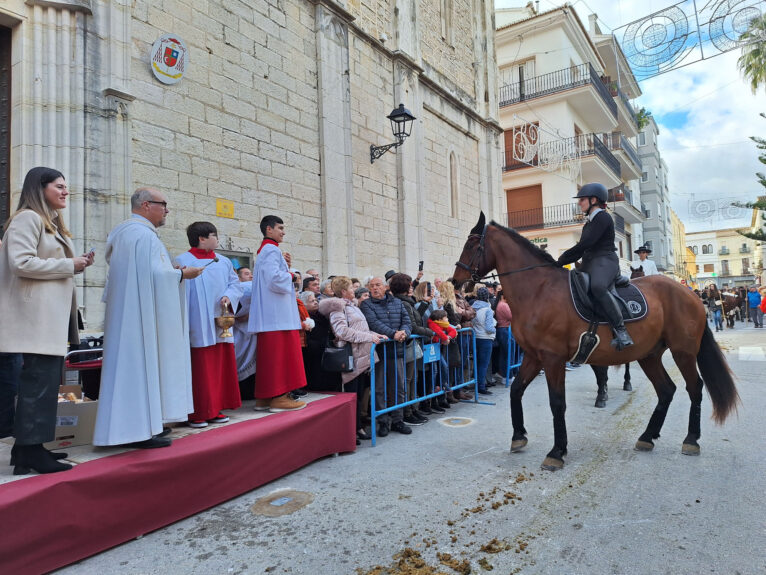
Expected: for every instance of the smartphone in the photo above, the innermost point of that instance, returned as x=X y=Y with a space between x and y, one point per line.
x=91 y=251
x=420 y=266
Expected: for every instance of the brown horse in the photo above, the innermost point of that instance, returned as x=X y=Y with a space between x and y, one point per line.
x=547 y=327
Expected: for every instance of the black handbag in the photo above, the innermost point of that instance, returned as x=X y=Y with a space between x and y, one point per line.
x=337 y=359
x=455 y=359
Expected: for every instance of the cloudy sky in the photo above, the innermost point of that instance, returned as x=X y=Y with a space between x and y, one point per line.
x=705 y=112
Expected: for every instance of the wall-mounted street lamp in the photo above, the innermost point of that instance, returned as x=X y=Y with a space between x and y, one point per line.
x=401 y=126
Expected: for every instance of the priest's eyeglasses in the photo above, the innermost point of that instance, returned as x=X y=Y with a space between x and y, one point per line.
x=163 y=204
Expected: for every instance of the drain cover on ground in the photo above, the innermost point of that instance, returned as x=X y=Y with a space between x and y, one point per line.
x=456 y=421
x=283 y=502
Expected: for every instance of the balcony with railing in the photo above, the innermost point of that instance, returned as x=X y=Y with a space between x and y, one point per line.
x=546 y=217
x=597 y=162
x=627 y=118
x=584 y=88
x=621 y=200
x=744 y=250
x=724 y=251
x=626 y=153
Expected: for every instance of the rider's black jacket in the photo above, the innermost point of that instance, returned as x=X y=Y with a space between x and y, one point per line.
x=597 y=239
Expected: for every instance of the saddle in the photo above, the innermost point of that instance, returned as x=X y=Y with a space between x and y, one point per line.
x=631 y=301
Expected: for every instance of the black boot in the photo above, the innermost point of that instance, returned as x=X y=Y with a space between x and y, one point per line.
x=37 y=458
x=614 y=315
x=14 y=450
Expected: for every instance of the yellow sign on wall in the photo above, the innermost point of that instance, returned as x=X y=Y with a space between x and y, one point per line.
x=224 y=208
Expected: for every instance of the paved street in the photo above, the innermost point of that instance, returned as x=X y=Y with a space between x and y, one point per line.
x=453 y=490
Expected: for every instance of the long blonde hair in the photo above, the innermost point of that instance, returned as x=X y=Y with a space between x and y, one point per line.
x=447 y=292
x=33 y=198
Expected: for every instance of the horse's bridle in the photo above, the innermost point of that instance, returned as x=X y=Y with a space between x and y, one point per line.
x=472 y=267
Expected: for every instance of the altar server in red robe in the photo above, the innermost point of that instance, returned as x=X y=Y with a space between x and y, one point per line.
x=214 y=366
x=274 y=317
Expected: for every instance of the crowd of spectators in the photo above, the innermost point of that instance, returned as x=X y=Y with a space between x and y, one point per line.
x=386 y=311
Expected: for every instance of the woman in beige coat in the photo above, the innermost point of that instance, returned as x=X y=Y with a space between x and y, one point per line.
x=39 y=311
x=349 y=325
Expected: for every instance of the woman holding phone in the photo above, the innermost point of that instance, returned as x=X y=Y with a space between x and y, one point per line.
x=39 y=311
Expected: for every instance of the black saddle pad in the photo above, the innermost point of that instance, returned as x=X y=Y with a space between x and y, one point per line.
x=629 y=298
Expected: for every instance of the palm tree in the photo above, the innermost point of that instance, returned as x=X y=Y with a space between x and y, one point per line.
x=752 y=62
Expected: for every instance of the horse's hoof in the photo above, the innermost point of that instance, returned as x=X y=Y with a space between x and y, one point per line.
x=518 y=444
x=600 y=403
x=627 y=386
x=644 y=445
x=552 y=464
x=689 y=449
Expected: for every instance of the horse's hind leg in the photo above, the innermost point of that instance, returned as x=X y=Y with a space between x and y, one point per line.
x=626 y=384
x=665 y=388
x=602 y=376
x=527 y=372
x=687 y=363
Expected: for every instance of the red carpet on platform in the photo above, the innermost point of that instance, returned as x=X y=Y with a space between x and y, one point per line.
x=54 y=520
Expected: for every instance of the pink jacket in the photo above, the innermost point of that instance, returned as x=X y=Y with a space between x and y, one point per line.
x=349 y=325
x=503 y=314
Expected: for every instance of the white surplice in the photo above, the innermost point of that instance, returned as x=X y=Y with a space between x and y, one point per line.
x=650 y=268
x=203 y=297
x=273 y=306
x=146 y=374
x=244 y=342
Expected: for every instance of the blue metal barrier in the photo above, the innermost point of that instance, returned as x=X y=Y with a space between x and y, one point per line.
x=420 y=387
x=513 y=354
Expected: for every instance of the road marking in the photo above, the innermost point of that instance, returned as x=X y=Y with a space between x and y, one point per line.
x=751 y=353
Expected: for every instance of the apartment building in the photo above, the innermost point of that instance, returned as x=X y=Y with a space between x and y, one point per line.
x=567 y=118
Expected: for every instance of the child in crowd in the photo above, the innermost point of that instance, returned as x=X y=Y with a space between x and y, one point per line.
x=444 y=333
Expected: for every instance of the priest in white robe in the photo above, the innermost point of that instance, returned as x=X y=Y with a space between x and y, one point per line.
x=274 y=317
x=214 y=366
x=146 y=373
x=649 y=267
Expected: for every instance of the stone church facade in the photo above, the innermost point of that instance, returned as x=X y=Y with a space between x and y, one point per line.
x=276 y=111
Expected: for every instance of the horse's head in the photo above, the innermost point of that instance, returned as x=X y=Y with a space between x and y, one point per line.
x=637 y=272
x=472 y=263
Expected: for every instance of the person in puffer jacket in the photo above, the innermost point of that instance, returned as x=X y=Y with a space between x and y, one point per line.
x=484 y=327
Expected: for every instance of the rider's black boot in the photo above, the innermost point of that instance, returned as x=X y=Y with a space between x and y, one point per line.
x=611 y=309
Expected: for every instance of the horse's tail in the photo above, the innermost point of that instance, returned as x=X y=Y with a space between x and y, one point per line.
x=717 y=377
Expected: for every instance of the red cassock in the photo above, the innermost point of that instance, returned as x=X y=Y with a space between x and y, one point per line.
x=278 y=363
x=214 y=380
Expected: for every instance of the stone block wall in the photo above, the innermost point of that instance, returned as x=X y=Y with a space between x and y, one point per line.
x=241 y=125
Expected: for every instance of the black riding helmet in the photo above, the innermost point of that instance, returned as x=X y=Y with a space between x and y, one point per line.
x=594 y=190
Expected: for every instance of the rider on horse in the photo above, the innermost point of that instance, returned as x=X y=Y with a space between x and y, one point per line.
x=597 y=249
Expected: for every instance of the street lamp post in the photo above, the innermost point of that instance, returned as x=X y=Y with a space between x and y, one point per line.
x=401 y=125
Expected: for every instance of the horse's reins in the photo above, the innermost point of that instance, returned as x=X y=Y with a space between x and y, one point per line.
x=472 y=267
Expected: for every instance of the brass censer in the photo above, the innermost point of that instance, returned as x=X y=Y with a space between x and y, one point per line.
x=225 y=321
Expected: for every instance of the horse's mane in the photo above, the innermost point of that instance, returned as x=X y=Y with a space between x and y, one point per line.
x=525 y=243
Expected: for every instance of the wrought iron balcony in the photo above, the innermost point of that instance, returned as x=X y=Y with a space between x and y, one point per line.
x=621 y=95
x=582 y=146
x=621 y=194
x=619 y=223
x=724 y=252
x=546 y=217
x=744 y=250
x=554 y=82
x=617 y=141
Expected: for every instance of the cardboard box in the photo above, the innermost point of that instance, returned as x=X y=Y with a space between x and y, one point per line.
x=75 y=421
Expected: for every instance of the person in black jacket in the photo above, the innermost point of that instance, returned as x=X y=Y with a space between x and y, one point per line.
x=597 y=250
x=386 y=315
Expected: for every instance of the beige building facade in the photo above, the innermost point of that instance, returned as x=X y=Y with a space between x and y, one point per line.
x=276 y=111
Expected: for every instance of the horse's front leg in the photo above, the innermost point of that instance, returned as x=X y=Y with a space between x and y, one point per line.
x=528 y=370
x=555 y=374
